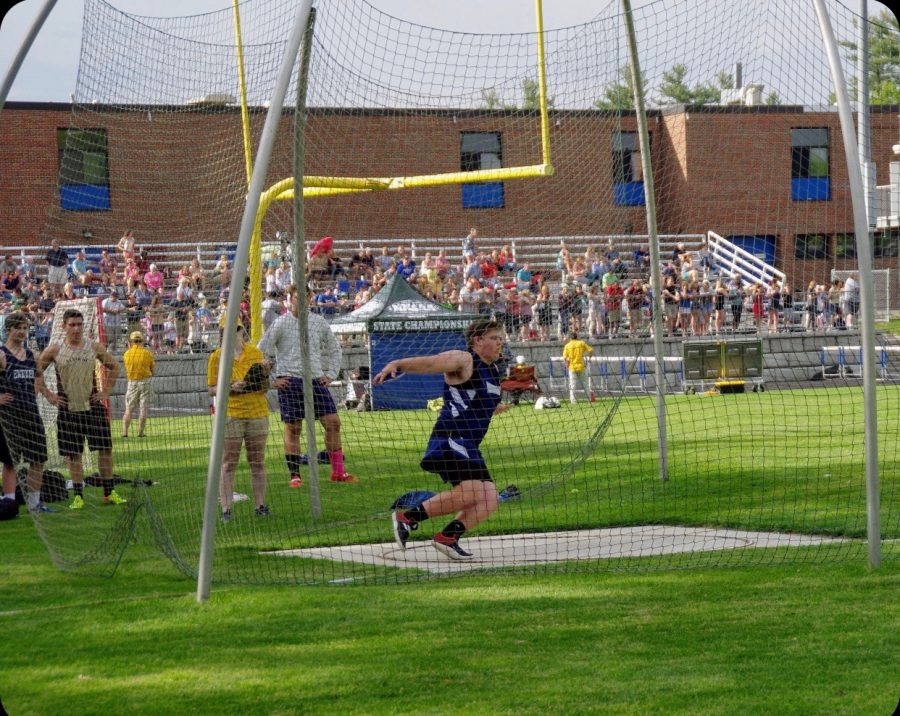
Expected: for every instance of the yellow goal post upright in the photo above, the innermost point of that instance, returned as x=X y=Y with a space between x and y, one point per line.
x=323 y=186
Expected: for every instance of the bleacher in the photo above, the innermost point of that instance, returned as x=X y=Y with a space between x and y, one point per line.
x=540 y=252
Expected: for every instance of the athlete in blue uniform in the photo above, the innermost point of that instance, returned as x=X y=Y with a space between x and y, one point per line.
x=471 y=399
x=19 y=409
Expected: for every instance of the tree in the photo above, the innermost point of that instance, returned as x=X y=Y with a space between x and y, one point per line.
x=490 y=99
x=884 y=61
x=618 y=95
x=674 y=89
x=531 y=93
x=773 y=99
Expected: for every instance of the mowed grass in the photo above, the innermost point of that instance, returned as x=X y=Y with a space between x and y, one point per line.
x=786 y=631
x=790 y=461
x=788 y=639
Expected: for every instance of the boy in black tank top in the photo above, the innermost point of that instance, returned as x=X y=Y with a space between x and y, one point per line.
x=19 y=411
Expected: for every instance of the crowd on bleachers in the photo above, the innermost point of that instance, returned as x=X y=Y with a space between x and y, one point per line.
x=603 y=292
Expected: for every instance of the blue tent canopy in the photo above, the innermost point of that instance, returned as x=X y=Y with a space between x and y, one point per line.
x=401 y=323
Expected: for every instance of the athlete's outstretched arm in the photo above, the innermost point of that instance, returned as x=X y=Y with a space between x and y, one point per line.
x=455 y=365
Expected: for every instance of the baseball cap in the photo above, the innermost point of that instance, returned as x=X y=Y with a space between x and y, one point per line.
x=136 y=336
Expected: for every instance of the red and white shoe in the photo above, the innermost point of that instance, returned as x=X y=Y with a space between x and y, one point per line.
x=296 y=481
x=346 y=477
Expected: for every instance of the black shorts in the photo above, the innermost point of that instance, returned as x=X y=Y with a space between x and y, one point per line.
x=74 y=428
x=28 y=442
x=290 y=401
x=5 y=457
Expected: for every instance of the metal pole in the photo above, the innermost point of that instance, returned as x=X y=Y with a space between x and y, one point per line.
x=653 y=238
x=867 y=292
x=862 y=117
x=16 y=64
x=257 y=182
x=315 y=501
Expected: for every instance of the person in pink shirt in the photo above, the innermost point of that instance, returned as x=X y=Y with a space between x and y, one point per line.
x=154 y=278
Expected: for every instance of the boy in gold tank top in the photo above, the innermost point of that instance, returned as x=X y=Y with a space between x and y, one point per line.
x=81 y=404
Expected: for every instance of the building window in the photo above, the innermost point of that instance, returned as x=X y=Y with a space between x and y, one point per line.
x=845 y=246
x=809 y=164
x=83 y=169
x=811 y=246
x=628 y=172
x=481 y=150
x=886 y=245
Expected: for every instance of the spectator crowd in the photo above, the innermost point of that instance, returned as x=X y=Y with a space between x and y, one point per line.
x=600 y=293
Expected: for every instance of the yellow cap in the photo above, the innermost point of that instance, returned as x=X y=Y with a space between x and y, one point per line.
x=136 y=336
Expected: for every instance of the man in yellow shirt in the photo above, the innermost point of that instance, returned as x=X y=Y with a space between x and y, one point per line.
x=139 y=367
x=573 y=358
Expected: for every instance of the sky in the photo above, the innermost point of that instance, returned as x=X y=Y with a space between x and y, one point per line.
x=49 y=71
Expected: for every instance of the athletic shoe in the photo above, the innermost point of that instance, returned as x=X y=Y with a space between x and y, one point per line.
x=322 y=458
x=77 y=503
x=226 y=516
x=346 y=477
x=41 y=507
x=296 y=481
x=263 y=511
x=450 y=547
x=114 y=498
x=402 y=527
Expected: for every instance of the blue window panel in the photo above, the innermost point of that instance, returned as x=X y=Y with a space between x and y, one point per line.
x=84 y=197
x=629 y=193
x=811 y=189
x=763 y=246
x=488 y=195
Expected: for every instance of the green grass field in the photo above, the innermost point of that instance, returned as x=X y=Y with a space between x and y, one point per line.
x=786 y=461
x=791 y=639
x=758 y=631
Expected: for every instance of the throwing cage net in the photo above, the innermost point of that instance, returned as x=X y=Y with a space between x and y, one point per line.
x=764 y=433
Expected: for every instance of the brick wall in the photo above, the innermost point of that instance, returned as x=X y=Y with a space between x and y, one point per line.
x=179 y=176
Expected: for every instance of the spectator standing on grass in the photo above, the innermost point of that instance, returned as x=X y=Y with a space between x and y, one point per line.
x=573 y=358
x=57 y=266
x=282 y=343
x=246 y=422
x=471 y=399
x=139 y=367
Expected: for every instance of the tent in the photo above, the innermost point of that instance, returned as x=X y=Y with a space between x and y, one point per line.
x=400 y=323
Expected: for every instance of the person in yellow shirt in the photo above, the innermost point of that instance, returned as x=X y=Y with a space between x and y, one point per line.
x=247 y=421
x=139 y=368
x=573 y=358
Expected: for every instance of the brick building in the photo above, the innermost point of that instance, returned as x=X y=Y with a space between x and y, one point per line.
x=773 y=175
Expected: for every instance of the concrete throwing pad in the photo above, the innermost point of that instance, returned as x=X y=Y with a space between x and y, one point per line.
x=548 y=547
